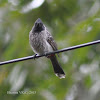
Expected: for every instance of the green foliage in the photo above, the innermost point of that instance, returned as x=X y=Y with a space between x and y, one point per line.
x=71 y=23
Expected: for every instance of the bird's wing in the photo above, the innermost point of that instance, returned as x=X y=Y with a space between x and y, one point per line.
x=51 y=41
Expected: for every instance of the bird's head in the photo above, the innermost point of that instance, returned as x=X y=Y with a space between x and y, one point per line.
x=39 y=26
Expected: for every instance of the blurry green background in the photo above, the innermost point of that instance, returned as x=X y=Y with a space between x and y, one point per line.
x=71 y=22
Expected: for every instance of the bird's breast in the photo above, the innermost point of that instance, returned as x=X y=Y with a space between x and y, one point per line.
x=39 y=43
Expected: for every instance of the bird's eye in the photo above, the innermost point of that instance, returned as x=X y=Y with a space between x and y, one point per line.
x=35 y=24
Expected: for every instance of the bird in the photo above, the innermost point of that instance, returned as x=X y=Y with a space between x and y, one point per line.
x=42 y=42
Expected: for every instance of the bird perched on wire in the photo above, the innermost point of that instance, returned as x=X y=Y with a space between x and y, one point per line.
x=41 y=42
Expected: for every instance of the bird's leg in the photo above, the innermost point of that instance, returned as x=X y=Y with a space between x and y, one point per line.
x=34 y=56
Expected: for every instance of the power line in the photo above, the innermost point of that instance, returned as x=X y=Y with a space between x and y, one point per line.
x=54 y=52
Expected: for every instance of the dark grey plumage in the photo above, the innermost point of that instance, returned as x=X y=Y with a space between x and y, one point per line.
x=41 y=42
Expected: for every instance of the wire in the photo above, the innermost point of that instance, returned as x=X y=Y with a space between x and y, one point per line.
x=49 y=53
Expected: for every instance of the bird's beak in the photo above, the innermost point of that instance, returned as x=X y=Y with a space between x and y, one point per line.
x=38 y=23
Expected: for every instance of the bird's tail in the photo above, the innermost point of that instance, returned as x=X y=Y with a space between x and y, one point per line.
x=57 y=68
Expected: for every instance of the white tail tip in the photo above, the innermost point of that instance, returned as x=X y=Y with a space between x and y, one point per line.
x=60 y=75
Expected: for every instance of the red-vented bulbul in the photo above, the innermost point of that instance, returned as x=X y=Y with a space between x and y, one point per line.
x=42 y=42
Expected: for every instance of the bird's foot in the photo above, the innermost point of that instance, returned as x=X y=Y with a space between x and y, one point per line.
x=45 y=54
x=34 y=56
